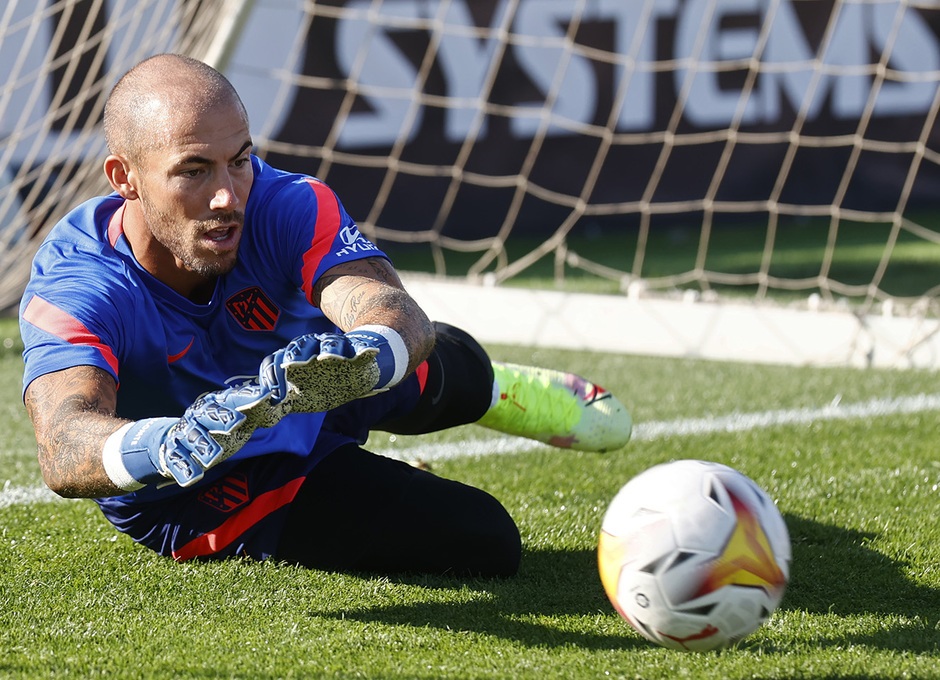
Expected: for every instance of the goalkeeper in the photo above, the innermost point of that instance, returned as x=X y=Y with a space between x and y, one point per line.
x=209 y=346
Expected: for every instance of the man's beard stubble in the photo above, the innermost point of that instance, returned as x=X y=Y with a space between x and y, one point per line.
x=170 y=236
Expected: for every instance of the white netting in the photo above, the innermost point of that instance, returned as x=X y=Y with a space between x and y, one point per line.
x=59 y=61
x=766 y=145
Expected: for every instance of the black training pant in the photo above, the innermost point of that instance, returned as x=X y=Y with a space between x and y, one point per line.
x=359 y=511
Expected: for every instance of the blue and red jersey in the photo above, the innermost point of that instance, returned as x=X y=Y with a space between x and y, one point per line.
x=89 y=302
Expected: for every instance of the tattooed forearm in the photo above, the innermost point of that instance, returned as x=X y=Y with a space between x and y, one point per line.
x=369 y=269
x=395 y=308
x=348 y=299
x=370 y=292
x=73 y=413
x=354 y=302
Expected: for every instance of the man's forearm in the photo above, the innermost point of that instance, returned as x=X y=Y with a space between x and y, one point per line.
x=70 y=432
x=370 y=292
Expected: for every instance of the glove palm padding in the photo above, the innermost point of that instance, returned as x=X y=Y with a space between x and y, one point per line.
x=318 y=372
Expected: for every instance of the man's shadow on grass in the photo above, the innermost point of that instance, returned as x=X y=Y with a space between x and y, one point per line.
x=551 y=583
x=834 y=572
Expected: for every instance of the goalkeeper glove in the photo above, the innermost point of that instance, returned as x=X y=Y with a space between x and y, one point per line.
x=320 y=371
x=211 y=430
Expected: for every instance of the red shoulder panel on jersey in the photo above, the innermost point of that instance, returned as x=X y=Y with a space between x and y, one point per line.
x=47 y=317
x=116 y=225
x=325 y=230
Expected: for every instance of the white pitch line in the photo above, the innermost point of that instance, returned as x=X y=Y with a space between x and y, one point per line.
x=736 y=422
x=740 y=422
x=24 y=495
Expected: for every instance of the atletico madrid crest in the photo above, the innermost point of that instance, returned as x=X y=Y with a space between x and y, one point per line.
x=253 y=309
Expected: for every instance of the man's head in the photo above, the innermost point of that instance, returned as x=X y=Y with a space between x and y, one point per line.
x=180 y=147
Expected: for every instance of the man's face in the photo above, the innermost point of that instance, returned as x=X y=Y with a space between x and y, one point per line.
x=193 y=187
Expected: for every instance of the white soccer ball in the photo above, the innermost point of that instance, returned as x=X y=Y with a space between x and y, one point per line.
x=694 y=555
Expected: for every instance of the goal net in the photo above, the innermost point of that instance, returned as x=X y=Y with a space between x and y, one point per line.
x=778 y=151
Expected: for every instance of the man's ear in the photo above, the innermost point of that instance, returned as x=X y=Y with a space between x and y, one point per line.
x=120 y=176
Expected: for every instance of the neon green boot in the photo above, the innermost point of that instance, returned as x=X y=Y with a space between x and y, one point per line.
x=561 y=409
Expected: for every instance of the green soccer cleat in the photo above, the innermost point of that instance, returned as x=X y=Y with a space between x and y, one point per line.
x=556 y=408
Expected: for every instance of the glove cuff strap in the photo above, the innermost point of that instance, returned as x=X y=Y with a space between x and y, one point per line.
x=113 y=461
x=392 y=364
x=126 y=457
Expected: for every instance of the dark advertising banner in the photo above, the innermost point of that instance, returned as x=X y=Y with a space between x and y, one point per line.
x=454 y=114
x=828 y=100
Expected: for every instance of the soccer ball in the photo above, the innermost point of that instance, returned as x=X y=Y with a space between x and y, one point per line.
x=694 y=555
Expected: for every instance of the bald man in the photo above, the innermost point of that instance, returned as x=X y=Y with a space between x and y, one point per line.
x=209 y=346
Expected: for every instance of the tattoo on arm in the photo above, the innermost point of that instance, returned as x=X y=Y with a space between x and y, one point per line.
x=73 y=412
x=369 y=291
x=370 y=269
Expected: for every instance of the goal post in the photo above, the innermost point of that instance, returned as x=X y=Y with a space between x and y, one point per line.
x=701 y=169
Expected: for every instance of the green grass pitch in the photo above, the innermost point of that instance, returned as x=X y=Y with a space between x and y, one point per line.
x=861 y=497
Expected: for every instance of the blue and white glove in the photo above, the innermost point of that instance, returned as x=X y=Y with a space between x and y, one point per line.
x=320 y=371
x=212 y=429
